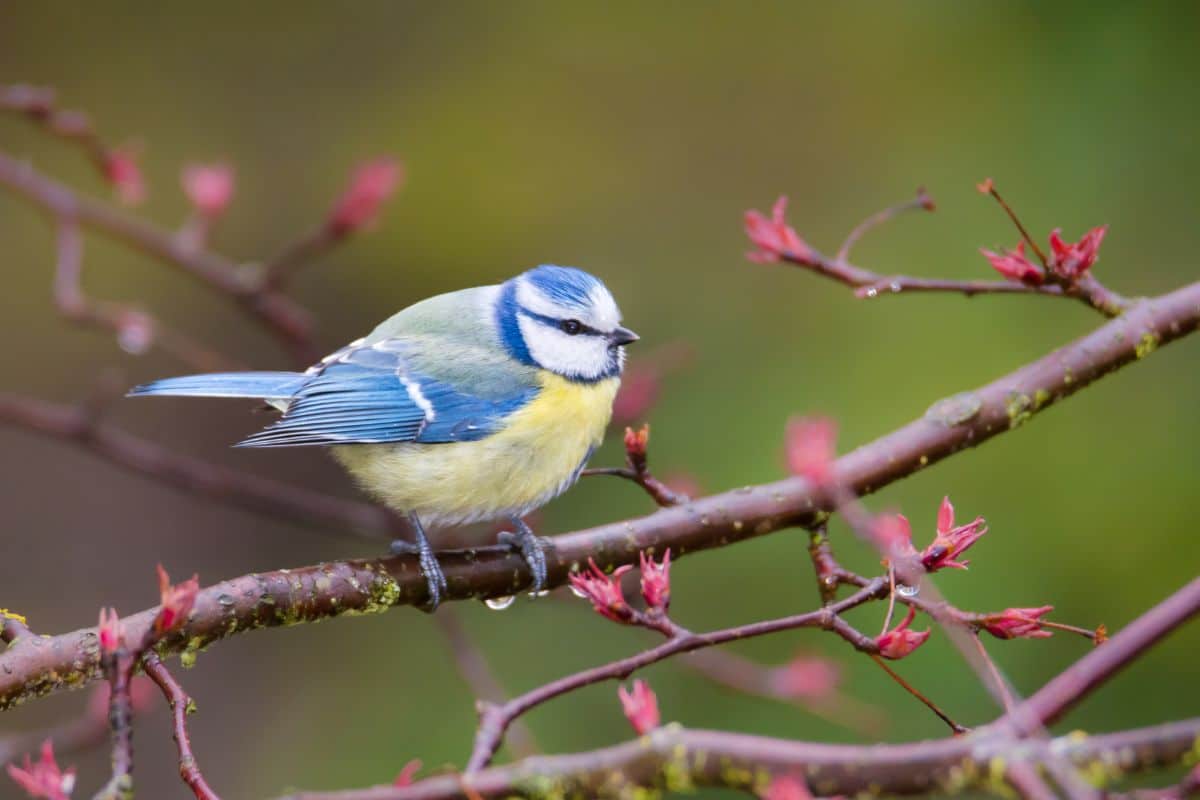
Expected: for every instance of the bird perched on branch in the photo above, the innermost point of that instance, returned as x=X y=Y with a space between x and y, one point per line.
x=475 y=405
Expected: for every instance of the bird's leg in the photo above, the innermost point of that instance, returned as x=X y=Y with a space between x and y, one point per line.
x=435 y=579
x=531 y=547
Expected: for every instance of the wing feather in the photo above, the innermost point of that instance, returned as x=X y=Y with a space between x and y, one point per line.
x=374 y=394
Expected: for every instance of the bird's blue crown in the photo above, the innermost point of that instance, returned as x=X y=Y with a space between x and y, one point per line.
x=561 y=319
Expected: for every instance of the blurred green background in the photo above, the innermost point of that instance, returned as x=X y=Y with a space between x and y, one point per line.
x=626 y=138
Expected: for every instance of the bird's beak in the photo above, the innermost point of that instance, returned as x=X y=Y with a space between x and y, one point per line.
x=622 y=336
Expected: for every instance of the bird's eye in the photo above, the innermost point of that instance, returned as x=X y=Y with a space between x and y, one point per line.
x=571 y=327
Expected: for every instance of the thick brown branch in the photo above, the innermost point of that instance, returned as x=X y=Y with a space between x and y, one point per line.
x=950 y=425
x=288 y=321
x=676 y=758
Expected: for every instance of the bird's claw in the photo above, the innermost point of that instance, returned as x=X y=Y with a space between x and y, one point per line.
x=435 y=579
x=532 y=549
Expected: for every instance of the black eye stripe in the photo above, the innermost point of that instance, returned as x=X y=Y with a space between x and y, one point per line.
x=584 y=330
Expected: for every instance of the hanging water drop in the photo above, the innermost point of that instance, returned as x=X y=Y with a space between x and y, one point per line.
x=541 y=593
x=577 y=591
x=904 y=590
x=500 y=603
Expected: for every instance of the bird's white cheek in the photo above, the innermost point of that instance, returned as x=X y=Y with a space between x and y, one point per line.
x=573 y=356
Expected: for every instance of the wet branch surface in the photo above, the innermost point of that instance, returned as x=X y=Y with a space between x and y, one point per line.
x=306 y=594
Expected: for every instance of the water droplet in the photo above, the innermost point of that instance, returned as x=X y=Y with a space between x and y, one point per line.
x=872 y=292
x=904 y=590
x=225 y=600
x=500 y=603
x=895 y=287
x=542 y=593
x=577 y=592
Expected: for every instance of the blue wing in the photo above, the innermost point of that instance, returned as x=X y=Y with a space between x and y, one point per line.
x=374 y=394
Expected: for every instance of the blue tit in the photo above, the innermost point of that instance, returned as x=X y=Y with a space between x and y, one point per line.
x=475 y=405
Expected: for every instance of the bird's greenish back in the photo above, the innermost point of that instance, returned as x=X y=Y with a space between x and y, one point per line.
x=453 y=337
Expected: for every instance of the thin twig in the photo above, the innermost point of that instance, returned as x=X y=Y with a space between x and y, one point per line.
x=39 y=104
x=659 y=492
x=908 y=687
x=280 y=269
x=1087 y=674
x=988 y=187
x=1001 y=685
x=281 y=316
x=181 y=705
x=921 y=201
x=870 y=284
x=136 y=330
x=495 y=719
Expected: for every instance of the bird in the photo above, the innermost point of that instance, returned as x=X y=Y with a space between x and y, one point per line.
x=476 y=405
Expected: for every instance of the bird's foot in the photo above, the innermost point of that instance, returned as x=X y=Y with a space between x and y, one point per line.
x=532 y=549
x=435 y=579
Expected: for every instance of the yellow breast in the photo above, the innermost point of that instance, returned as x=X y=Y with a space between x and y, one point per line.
x=532 y=459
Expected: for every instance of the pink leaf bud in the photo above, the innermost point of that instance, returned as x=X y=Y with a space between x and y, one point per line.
x=1013 y=265
x=209 y=187
x=806 y=676
x=773 y=237
x=43 y=778
x=786 y=787
x=811 y=448
x=407 y=773
x=640 y=707
x=1018 y=623
x=603 y=591
x=950 y=542
x=109 y=631
x=893 y=535
x=371 y=184
x=635 y=446
x=177 y=601
x=1072 y=260
x=123 y=173
x=900 y=641
x=656 y=581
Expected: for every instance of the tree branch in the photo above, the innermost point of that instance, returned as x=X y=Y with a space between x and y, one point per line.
x=495 y=719
x=679 y=759
x=1083 y=677
x=311 y=593
x=181 y=705
x=282 y=317
x=136 y=330
x=243 y=490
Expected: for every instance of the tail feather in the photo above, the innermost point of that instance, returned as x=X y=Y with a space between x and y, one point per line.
x=267 y=385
